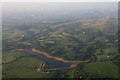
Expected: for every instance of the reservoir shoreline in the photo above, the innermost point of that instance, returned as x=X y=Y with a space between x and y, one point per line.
x=73 y=63
x=56 y=58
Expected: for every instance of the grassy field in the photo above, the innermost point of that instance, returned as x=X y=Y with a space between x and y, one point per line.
x=8 y=59
x=110 y=51
x=105 y=57
x=25 y=67
x=106 y=51
x=102 y=69
x=70 y=73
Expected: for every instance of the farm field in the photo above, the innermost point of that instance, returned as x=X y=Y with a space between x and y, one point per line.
x=105 y=69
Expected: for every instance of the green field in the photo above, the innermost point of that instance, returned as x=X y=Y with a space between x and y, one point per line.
x=102 y=69
x=8 y=59
x=108 y=51
x=23 y=68
x=70 y=73
x=105 y=57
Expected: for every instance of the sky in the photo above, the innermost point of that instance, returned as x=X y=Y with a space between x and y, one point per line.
x=60 y=0
x=57 y=6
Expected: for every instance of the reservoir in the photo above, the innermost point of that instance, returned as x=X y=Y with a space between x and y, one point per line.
x=49 y=62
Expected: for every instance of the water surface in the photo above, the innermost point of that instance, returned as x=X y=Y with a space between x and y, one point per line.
x=50 y=63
